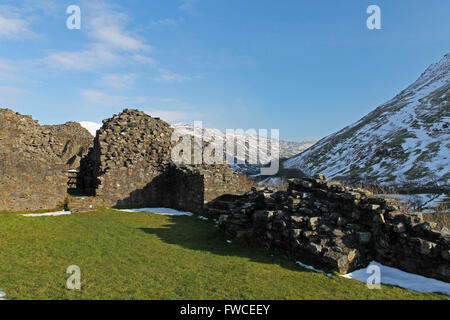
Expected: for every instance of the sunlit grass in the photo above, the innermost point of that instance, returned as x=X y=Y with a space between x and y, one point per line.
x=148 y=256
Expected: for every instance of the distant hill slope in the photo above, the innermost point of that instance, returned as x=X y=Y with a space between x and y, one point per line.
x=250 y=142
x=404 y=142
x=246 y=141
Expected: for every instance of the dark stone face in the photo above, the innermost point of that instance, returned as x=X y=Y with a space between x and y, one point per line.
x=127 y=164
x=335 y=227
x=130 y=165
x=34 y=161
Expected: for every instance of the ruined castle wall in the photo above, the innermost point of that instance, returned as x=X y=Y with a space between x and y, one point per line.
x=34 y=161
x=221 y=180
x=336 y=227
x=130 y=166
x=130 y=152
x=71 y=142
x=184 y=189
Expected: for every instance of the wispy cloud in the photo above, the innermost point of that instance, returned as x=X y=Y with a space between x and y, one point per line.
x=172 y=110
x=111 y=42
x=109 y=27
x=102 y=98
x=171 y=77
x=14 y=27
x=118 y=80
x=171 y=116
x=97 y=97
x=142 y=59
x=16 y=18
x=187 y=5
x=96 y=56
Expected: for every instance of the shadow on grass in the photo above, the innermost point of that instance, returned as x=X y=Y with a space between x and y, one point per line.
x=195 y=234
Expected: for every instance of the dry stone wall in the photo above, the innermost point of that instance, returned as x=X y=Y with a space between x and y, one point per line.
x=70 y=142
x=130 y=151
x=130 y=166
x=34 y=161
x=336 y=227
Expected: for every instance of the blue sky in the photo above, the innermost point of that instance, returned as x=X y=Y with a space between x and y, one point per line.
x=308 y=68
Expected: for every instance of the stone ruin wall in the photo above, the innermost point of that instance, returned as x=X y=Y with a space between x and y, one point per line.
x=316 y=221
x=34 y=161
x=337 y=228
x=130 y=152
x=130 y=166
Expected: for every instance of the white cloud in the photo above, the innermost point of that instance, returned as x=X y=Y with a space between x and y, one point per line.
x=97 y=97
x=169 y=115
x=112 y=43
x=118 y=80
x=187 y=5
x=108 y=26
x=102 y=98
x=96 y=56
x=15 y=28
x=116 y=38
x=172 y=110
x=143 y=59
x=16 y=18
x=171 y=77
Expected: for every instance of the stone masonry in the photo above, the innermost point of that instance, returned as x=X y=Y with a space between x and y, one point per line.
x=34 y=161
x=335 y=227
x=130 y=166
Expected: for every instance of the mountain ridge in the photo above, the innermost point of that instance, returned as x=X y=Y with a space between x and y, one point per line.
x=250 y=142
x=403 y=142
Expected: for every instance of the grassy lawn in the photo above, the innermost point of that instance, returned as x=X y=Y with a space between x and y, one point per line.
x=148 y=256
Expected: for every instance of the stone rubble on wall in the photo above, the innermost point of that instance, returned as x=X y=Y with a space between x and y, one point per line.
x=335 y=227
x=130 y=165
x=34 y=161
x=71 y=142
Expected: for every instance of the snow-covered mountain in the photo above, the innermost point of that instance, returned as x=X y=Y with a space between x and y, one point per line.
x=90 y=126
x=247 y=142
x=404 y=142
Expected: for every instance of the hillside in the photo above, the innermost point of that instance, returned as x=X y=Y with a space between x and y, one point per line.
x=404 y=142
x=245 y=141
x=249 y=143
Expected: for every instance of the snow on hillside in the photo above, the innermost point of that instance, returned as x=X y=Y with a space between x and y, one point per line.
x=404 y=142
x=246 y=142
x=249 y=144
x=92 y=127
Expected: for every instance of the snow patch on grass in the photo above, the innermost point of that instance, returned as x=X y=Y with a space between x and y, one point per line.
x=163 y=211
x=312 y=268
x=48 y=214
x=396 y=277
x=2 y=294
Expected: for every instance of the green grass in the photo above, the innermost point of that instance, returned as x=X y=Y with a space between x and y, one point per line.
x=148 y=256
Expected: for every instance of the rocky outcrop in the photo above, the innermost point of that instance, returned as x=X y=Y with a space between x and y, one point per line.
x=336 y=227
x=34 y=161
x=130 y=165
